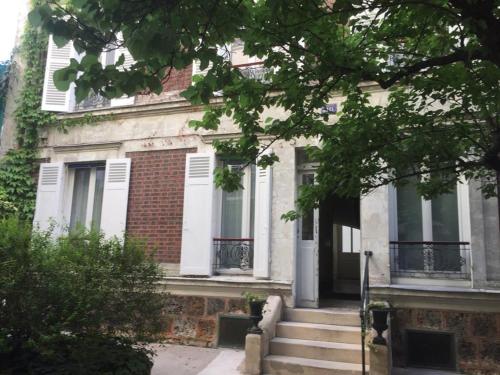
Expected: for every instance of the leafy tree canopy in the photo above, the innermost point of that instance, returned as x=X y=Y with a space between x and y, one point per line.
x=438 y=58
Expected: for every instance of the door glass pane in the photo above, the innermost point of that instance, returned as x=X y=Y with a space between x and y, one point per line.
x=252 y=200
x=445 y=228
x=307 y=220
x=98 y=193
x=232 y=210
x=80 y=197
x=409 y=205
x=350 y=238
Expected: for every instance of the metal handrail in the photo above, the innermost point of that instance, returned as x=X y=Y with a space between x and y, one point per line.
x=363 y=311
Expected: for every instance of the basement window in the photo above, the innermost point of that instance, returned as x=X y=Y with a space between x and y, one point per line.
x=434 y=350
x=233 y=331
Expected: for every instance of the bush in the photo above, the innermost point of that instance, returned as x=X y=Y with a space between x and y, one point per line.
x=56 y=295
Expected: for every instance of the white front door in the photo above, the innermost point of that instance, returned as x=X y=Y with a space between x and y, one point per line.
x=307 y=253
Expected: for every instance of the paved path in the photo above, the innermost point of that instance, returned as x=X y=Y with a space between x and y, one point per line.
x=190 y=360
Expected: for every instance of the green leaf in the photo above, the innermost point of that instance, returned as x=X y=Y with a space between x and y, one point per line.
x=89 y=60
x=60 y=40
x=35 y=17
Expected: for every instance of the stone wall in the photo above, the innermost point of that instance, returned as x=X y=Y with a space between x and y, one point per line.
x=156 y=198
x=477 y=336
x=192 y=320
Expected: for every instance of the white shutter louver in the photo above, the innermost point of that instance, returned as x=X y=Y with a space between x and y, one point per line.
x=197 y=223
x=115 y=197
x=129 y=61
x=262 y=237
x=49 y=197
x=57 y=58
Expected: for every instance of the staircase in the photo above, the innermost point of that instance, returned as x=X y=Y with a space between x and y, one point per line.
x=316 y=342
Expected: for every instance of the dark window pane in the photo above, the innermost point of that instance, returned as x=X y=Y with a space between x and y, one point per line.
x=99 y=189
x=409 y=212
x=80 y=198
x=409 y=205
x=307 y=221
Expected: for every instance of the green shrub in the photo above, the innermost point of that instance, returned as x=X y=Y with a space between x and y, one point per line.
x=78 y=287
x=6 y=206
x=76 y=355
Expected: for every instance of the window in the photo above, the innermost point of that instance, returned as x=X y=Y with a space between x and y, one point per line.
x=307 y=220
x=234 y=247
x=349 y=238
x=430 y=235
x=237 y=207
x=86 y=187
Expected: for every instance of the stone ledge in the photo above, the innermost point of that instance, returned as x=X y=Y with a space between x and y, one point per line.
x=446 y=298
x=226 y=286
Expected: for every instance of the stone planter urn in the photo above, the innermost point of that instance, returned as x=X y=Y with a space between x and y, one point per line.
x=379 y=324
x=256 y=307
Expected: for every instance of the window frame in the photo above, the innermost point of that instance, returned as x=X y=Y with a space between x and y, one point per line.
x=246 y=208
x=464 y=229
x=69 y=189
x=463 y=214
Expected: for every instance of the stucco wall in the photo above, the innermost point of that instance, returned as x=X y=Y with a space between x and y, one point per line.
x=167 y=128
x=164 y=126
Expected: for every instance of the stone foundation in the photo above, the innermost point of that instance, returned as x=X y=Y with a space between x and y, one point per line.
x=193 y=320
x=477 y=336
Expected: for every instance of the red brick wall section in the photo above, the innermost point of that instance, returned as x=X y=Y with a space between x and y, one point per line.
x=178 y=79
x=173 y=85
x=156 y=198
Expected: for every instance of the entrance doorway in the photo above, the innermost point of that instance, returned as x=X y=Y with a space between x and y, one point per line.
x=339 y=248
x=328 y=248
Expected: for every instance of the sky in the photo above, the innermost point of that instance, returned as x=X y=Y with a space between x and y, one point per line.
x=9 y=16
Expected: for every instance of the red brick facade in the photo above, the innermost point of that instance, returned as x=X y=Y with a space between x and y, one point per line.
x=178 y=79
x=156 y=198
x=173 y=85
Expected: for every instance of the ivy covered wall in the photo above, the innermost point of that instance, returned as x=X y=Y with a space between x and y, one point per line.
x=17 y=167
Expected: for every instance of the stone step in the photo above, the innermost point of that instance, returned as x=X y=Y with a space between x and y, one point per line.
x=332 y=351
x=319 y=332
x=284 y=365
x=336 y=316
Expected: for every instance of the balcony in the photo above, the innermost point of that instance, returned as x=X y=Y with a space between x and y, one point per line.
x=233 y=255
x=93 y=101
x=255 y=70
x=448 y=260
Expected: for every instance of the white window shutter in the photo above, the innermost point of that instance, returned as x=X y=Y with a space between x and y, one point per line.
x=197 y=68
x=49 y=197
x=57 y=58
x=262 y=226
x=115 y=197
x=129 y=61
x=197 y=223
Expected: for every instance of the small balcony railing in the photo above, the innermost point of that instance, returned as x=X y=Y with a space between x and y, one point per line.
x=233 y=254
x=93 y=101
x=449 y=260
x=255 y=70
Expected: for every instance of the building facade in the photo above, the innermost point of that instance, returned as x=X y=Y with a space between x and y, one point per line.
x=143 y=170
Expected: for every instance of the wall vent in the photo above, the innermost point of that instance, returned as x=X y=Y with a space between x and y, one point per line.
x=233 y=330
x=433 y=350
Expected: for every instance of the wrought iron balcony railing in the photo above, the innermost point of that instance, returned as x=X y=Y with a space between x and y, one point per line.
x=233 y=254
x=255 y=70
x=430 y=259
x=93 y=101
